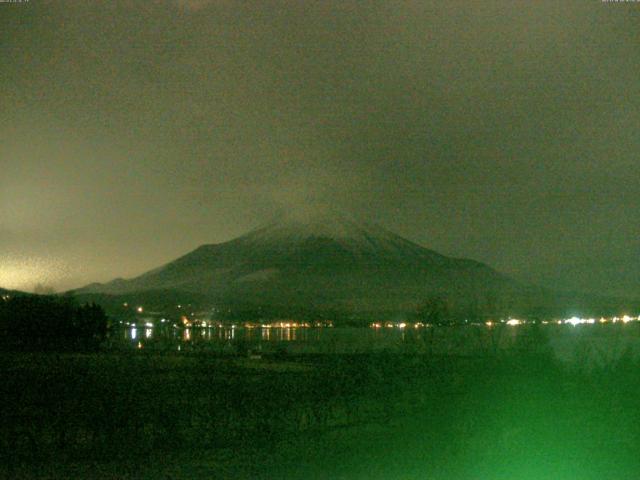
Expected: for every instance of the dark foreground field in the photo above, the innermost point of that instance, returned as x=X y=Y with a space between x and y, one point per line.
x=139 y=415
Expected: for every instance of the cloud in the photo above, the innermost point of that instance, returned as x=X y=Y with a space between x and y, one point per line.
x=193 y=5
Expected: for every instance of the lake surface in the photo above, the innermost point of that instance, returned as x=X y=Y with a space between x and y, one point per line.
x=582 y=343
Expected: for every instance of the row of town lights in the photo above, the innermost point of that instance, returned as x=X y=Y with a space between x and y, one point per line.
x=512 y=322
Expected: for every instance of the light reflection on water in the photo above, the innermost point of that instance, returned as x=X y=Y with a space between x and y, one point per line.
x=564 y=340
x=258 y=334
x=297 y=339
x=250 y=335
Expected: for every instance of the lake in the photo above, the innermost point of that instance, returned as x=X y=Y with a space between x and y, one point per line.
x=598 y=343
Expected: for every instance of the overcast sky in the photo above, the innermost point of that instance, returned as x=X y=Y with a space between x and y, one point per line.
x=508 y=132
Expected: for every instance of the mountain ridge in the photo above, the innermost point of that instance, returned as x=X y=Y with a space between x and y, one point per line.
x=325 y=261
x=335 y=266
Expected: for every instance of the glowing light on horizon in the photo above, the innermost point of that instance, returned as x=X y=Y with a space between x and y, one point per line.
x=579 y=321
x=24 y=273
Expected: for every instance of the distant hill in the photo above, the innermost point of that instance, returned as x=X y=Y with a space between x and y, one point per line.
x=326 y=262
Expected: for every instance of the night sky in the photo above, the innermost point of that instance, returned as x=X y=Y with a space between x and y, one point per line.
x=507 y=132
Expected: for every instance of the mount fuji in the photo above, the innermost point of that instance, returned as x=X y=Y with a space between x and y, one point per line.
x=320 y=261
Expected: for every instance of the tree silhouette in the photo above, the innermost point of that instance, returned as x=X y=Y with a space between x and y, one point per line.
x=44 y=322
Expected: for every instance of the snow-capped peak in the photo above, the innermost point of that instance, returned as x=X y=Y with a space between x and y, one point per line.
x=345 y=229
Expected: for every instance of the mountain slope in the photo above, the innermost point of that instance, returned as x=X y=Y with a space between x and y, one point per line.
x=325 y=261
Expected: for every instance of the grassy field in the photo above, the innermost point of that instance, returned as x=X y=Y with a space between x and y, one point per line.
x=384 y=416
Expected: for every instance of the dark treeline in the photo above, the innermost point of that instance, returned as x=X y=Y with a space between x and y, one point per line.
x=543 y=305
x=50 y=323
x=437 y=308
